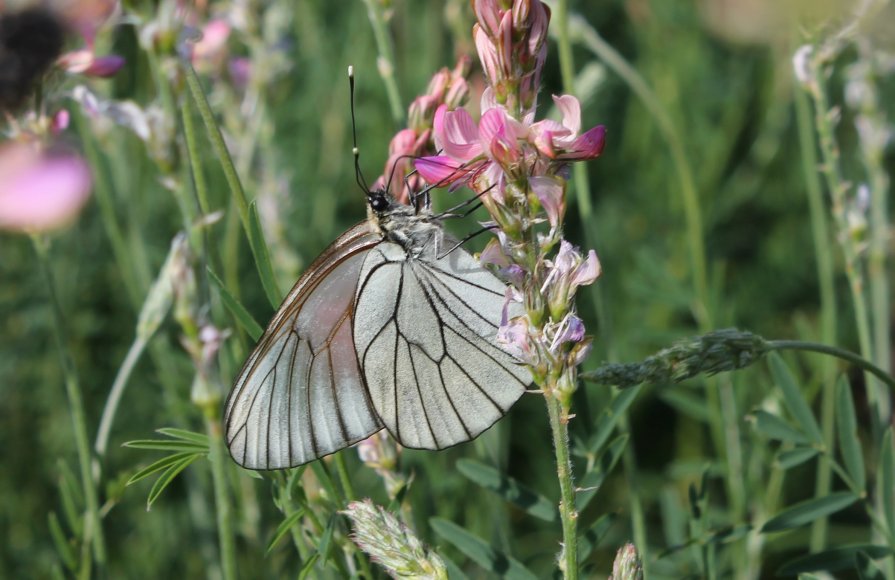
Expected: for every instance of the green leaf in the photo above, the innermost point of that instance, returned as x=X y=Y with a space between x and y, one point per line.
x=594 y=535
x=886 y=478
x=156 y=466
x=326 y=539
x=833 y=560
x=262 y=257
x=687 y=403
x=608 y=419
x=867 y=570
x=794 y=399
x=166 y=445
x=308 y=567
x=807 y=511
x=847 y=429
x=508 y=488
x=62 y=545
x=183 y=434
x=773 y=427
x=319 y=469
x=593 y=479
x=242 y=316
x=728 y=534
x=799 y=455
x=497 y=563
x=72 y=499
x=166 y=478
x=453 y=571
x=284 y=528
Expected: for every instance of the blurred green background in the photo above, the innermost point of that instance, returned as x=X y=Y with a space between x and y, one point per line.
x=721 y=70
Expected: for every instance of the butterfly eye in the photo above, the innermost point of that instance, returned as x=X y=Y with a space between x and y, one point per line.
x=378 y=202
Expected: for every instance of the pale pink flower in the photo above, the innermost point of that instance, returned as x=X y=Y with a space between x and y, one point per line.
x=208 y=52
x=85 y=62
x=40 y=192
x=560 y=140
x=569 y=329
x=514 y=338
x=568 y=271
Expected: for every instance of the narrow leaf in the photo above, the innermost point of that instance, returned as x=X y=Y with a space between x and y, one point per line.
x=262 y=257
x=793 y=457
x=454 y=572
x=166 y=478
x=319 y=469
x=609 y=418
x=794 y=399
x=498 y=564
x=242 y=316
x=508 y=488
x=308 y=567
x=807 y=511
x=183 y=434
x=886 y=478
x=156 y=466
x=284 y=528
x=594 y=535
x=166 y=445
x=592 y=480
x=834 y=560
x=326 y=539
x=847 y=429
x=72 y=500
x=688 y=404
x=773 y=427
x=867 y=570
x=62 y=545
x=728 y=534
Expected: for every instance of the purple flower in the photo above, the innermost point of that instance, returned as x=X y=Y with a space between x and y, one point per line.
x=568 y=271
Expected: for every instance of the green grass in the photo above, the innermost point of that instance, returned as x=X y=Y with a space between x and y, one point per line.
x=700 y=209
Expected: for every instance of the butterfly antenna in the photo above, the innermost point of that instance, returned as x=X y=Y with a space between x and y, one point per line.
x=358 y=175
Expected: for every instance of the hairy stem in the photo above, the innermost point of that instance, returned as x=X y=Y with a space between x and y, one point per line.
x=559 y=425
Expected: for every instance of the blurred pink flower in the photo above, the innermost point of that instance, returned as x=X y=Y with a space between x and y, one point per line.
x=40 y=192
x=85 y=62
x=209 y=52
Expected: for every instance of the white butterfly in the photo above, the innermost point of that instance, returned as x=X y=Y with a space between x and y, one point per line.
x=385 y=329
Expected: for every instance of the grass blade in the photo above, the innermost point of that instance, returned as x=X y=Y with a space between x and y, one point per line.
x=183 y=434
x=794 y=399
x=609 y=418
x=509 y=489
x=594 y=535
x=284 y=528
x=242 y=316
x=497 y=563
x=807 y=511
x=886 y=478
x=847 y=429
x=63 y=547
x=593 y=479
x=265 y=269
x=833 y=560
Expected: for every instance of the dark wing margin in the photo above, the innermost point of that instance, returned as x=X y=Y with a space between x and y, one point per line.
x=300 y=394
x=425 y=333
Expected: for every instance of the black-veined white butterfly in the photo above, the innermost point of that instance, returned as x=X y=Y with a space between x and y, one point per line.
x=392 y=326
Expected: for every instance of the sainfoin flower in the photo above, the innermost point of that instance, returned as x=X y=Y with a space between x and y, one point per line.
x=40 y=191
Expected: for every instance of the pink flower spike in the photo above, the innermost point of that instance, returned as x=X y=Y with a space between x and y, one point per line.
x=588 y=145
x=588 y=271
x=39 y=193
x=105 y=66
x=440 y=170
x=456 y=134
x=550 y=193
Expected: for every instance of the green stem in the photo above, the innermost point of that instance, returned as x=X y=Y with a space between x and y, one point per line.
x=823 y=255
x=93 y=532
x=559 y=425
x=218 y=458
x=386 y=60
x=109 y=411
x=857 y=360
x=838 y=188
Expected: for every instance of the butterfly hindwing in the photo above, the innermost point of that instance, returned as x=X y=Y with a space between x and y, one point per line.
x=300 y=394
x=425 y=332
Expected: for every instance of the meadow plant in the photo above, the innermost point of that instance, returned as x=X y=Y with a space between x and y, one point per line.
x=171 y=163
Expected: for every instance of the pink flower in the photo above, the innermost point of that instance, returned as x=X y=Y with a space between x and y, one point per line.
x=551 y=195
x=560 y=140
x=568 y=271
x=40 y=192
x=85 y=62
x=209 y=52
x=569 y=329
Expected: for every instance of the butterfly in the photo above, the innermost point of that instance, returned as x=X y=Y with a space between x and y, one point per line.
x=393 y=326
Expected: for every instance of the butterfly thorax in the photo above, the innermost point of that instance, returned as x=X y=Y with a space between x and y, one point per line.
x=413 y=230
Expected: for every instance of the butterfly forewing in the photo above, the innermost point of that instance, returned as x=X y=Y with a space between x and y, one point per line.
x=425 y=332
x=300 y=394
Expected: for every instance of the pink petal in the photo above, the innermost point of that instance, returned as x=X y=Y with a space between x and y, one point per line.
x=487 y=53
x=487 y=12
x=488 y=100
x=37 y=193
x=571 y=112
x=440 y=170
x=105 y=66
x=550 y=193
x=588 y=271
x=493 y=254
x=456 y=134
x=505 y=45
x=588 y=145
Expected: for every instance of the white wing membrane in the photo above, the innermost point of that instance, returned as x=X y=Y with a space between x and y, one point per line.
x=425 y=333
x=300 y=394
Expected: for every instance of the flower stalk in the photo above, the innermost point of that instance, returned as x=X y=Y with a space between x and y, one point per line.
x=520 y=170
